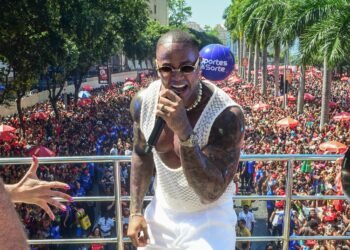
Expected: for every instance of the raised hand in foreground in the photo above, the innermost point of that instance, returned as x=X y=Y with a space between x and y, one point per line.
x=31 y=190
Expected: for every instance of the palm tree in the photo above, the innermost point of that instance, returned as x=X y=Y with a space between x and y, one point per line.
x=233 y=24
x=302 y=15
x=262 y=24
x=250 y=33
x=250 y=62
x=321 y=26
x=271 y=15
x=328 y=38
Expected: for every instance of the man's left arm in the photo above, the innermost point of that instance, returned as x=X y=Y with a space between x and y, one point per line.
x=211 y=169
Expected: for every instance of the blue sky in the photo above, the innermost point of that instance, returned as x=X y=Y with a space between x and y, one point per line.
x=208 y=12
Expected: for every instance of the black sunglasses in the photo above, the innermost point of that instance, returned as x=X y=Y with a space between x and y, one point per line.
x=185 y=69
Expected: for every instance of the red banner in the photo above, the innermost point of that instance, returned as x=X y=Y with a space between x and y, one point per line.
x=103 y=75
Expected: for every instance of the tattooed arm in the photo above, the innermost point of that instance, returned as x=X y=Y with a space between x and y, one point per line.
x=209 y=171
x=142 y=166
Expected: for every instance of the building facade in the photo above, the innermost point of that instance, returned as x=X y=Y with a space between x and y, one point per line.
x=159 y=11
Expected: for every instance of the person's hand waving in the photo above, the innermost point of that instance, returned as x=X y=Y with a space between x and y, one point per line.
x=31 y=190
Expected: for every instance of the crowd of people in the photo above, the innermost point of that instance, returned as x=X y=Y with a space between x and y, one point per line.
x=264 y=136
x=103 y=127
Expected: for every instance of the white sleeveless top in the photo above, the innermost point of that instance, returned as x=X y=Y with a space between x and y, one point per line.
x=171 y=187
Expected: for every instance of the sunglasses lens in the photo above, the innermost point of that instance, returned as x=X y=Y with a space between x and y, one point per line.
x=187 y=69
x=165 y=69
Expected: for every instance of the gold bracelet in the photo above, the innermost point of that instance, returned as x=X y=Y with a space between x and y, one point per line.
x=135 y=214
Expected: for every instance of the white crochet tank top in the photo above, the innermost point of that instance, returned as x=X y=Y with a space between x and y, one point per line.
x=171 y=187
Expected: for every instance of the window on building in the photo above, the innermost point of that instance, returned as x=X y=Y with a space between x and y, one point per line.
x=155 y=9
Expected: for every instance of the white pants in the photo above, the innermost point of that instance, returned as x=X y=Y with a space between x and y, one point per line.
x=212 y=229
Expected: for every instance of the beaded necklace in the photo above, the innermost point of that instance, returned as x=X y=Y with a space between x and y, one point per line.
x=197 y=101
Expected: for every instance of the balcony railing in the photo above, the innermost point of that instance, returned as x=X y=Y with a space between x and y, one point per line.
x=120 y=240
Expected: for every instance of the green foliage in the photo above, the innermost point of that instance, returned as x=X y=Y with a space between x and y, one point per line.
x=211 y=31
x=143 y=47
x=261 y=20
x=321 y=26
x=71 y=35
x=179 y=12
x=100 y=29
x=233 y=18
x=22 y=39
x=328 y=35
x=204 y=38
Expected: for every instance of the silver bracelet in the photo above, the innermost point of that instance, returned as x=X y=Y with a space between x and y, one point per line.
x=135 y=214
x=190 y=142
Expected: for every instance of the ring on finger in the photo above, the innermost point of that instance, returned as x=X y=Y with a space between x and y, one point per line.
x=163 y=108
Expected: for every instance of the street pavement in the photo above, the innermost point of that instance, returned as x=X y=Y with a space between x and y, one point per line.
x=260 y=228
x=43 y=96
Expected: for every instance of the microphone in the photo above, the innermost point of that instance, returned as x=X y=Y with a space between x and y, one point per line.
x=157 y=130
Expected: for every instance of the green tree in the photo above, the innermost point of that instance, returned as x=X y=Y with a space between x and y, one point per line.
x=322 y=27
x=211 y=31
x=328 y=38
x=204 y=38
x=100 y=29
x=143 y=47
x=22 y=40
x=60 y=52
x=5 y=82
x=180 y=12
x=57 y=39
x=236 y=17
x=302 y=15
x=150 y=37
x=262 y=26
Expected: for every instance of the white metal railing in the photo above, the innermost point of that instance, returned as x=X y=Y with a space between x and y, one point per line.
x=116 y=160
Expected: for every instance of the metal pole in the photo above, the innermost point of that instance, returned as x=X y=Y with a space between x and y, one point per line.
x=118 y=205
x=109 y=67
x=117 y=197
x=288 y=205
x=285 y=101
x=65 y=94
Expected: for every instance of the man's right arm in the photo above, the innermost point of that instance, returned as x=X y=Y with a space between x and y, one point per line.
x=142 y=164
x=141 y=172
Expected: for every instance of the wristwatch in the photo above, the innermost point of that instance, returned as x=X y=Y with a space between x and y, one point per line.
x=190 y=142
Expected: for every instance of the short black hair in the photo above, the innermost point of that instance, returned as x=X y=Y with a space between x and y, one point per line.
x=312 y=224
x=178 y=36
x=243 y=221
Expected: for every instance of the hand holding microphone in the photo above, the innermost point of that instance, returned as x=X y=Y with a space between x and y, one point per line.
x=217 y=63
x=170 y=111
x=153 y=139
